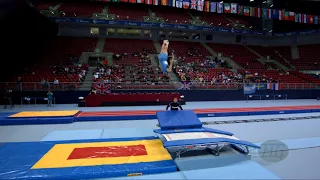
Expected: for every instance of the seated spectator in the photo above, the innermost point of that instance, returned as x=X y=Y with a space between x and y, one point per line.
x=56 y=81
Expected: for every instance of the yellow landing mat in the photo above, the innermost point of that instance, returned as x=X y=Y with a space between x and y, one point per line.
x=44 y=114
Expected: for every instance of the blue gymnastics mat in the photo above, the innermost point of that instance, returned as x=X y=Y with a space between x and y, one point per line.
x=30 y=121
x=17 y=161
x=178 y=120
x=99 y=134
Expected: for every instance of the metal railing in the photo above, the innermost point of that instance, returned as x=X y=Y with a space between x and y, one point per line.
x=75 y=86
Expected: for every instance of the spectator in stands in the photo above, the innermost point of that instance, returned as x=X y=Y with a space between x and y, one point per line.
x=163 y=58
x=8 y=98
x=56 y=82
x=19 y=84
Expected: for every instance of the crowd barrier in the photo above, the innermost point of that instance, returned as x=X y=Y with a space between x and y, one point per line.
x=72 y=86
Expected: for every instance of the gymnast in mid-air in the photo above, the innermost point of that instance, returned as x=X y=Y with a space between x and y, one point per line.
x=163 y=58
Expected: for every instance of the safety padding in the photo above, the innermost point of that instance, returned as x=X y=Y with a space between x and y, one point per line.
x=281 y=112
x=223 y=114
x=20 y=121
x=315 y=110
x=56 y=120
x=207 y=141
x=77 y=159
x=114 y=118
x=204 y=129
x=186 y=119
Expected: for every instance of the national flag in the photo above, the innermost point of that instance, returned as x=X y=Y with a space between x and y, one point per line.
x=273 y=86
x=296 y=16
x=252 y=11
x=270 y=13
x=281 y=13
x=286 y=15
x=179 y=3
x=291 y=16
x=213 y=7
x=115 y=0
x=155 y=2
x=148 y=1
x=193 y=4
x=234 y=8
x=265 y=13
x=246 y=11
x=102 y=88
x=240 y=10
x=140 y=1
x=186 y=4
x=249 y=89
x=260 y=86
x=304 y=18
x=316 y=19
x=132 y=1
x=258 y=12
x=200 y=4
x=207 y=6
x=185 y=86
x=227 y=8
x=310 y=19
x=172 y=3
x=164 y=2
x=123 y=0
x=275 y=14
x=220 y=8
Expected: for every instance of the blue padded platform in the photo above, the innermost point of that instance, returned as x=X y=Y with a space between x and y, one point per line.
x=29 y=121
x=115 y=118
x=206 y=141
x=178 y=120
x=204 y=129
x=17 y=158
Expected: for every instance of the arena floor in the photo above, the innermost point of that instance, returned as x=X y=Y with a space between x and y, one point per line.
x=301 y=136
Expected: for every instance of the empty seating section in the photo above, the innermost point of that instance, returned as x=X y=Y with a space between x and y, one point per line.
x=45 y=5
x=80 y=9
x=240 y=20
x=213 y=19
x=190 y=50
x=271 y=52
x=172 y=15
x=241 y=55
x=125 y=12
x=306 y=77
x=129 y=46
x=309 y=58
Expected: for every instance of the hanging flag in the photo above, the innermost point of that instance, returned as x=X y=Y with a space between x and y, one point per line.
x=258 y=12
x=213 y=7
x=286 y=15
x=115 y=0
x=269 y=13
x=148 y=1
x=220 y=8
x=164 y=2
x=252 y=11
x=200 y=4
x=296 y=16
x=186 y=4
x=316 y=19
x=249 y=89
x=102 y=88
x=155 y=2
x=132 y=1
x=304 y=18
x=193 y=4
x=207 y=6
x=185 y=86
x=265 y=13
x=123 y=0
x=234 y=8
x=275 y=14
x=227 y=8
x=281 y=14
x=273 y=86
x=310 y=19
x=240 y=10
x=291 y=16
x=246 y=11
x=172 y=3
x=179 y=3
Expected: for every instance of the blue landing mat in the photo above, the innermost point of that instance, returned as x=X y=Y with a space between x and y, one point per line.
x=30 y=121
x=99 y=134
x=16 y=159
x=171 y=176
x=178 y=120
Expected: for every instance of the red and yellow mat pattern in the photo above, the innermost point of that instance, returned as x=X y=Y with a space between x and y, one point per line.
x=103 y=153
